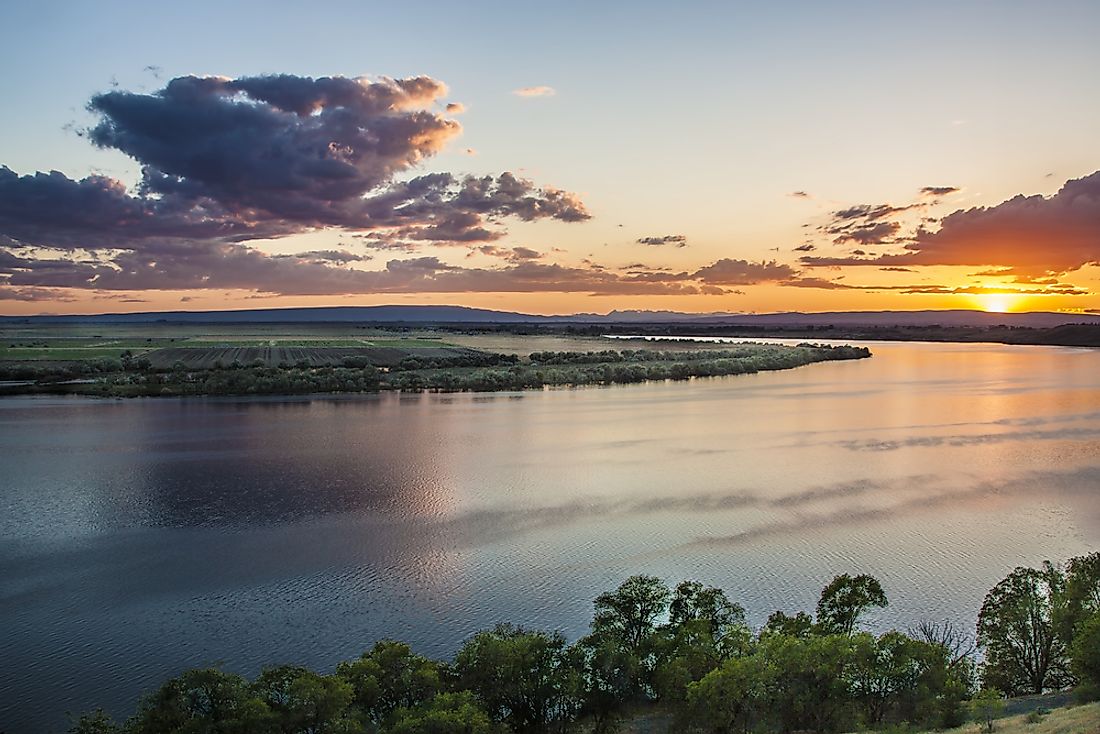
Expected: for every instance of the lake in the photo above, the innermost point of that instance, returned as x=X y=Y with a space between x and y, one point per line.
x=142 y=537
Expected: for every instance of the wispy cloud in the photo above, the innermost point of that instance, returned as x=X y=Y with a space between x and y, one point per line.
x=539 y=91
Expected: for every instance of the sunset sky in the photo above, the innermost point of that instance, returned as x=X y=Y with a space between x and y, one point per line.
x=550 y=158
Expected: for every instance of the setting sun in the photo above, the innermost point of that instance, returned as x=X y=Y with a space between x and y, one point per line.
x=998 y=302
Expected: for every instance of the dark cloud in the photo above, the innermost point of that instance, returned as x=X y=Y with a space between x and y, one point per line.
x=799 y=195
x=898 y=270
x=228 y=161
x=869 y=212
x=8 y=293
x=938 y=190
x=805 y=248
x=1034 y=238
x=1029 y=235
x=329 y=256
x=677 y=240
x=728 y=271
x=874 y=234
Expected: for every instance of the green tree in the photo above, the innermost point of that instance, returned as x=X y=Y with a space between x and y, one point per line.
x=95 y=722
x=525 y=678
x=845 y=600
x=1024 y=654
x=807 y=681
x=388 y=677
x=612 y=676
x=780 y=623
x=731 y=698
x=694 y=602
x=630 y=613
x=205 y=700
x=1086 y=657
x=1082 y=594
x=446 y=713
x=987 y=706
x=305 y=702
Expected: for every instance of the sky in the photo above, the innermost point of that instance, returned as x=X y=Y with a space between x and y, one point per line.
x=550 y=158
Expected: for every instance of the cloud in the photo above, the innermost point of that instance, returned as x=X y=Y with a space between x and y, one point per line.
x=938 y=190
x=515 y=254
x=330 y=256
x=229 y=161
x=8 y=293
x=870 y=212
x=678 y=240
x=898 y=270
x=1031 y=235
x=1034 y=238
x=455 y=108
x=805 y=248
x=874 y=234
x=728 y=271
x=799 y=195
x=540 y=91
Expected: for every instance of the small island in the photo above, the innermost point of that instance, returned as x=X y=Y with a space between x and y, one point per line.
x=292 y=364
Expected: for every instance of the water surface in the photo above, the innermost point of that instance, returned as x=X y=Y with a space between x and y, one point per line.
x=142 y=537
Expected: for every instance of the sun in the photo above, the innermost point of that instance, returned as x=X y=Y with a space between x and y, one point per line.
x=997 y=302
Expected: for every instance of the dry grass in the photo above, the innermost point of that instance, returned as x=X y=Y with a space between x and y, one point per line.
x=1069 y=720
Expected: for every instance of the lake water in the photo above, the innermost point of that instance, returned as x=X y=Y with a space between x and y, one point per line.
x=142 y=537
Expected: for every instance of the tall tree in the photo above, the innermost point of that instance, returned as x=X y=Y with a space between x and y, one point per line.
x=1082 y=596
x=845 y=600
x=1024 y=654
x=631 y=612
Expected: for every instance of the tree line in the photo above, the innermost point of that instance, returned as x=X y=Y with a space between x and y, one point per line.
x=686 y=649
x=465 y=372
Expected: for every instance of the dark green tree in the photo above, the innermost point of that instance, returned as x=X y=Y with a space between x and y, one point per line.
x=446 y=713
x=845 y=600
x=1082 y=594
x=205 y=700
x=1085 y=654
x=527 y=679
x=388 y=677
x=1024 y=654
x=731 y=698
x=630 y=613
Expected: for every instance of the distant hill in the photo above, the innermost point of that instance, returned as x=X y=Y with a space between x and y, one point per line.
x=465 y=315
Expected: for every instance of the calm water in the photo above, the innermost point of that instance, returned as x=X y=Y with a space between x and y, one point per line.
x=142 y=537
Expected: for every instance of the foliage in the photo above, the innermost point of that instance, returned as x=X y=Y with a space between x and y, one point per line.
x=1086 y=657
x=687 y=648
x=845 y=600
x=987 y=706
x=1024 y=653
x=525 y=678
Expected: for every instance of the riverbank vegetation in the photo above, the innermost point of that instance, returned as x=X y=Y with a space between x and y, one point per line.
x=686 y=652
x=379 y=368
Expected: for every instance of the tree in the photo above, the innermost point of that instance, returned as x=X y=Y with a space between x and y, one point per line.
x=780 y=623
x=388 y=677
x=730 y=698
x=987 y=706
x=1086 y=657
x=526 y=678
x=1023 y=652
x=807 y=681
x=1082 y=594
x=612 y=676
x=447 y=713
x=845 y=600
x=630 y=613
x=200 y=701
x=95 y=722
x=303 y=701
x=694 y=602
